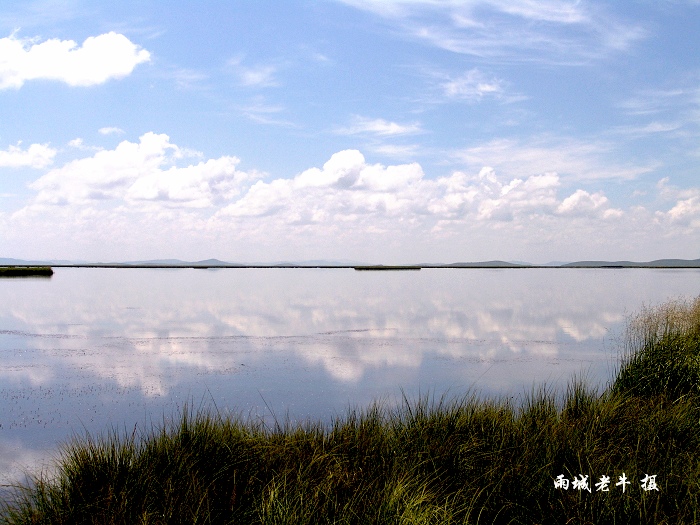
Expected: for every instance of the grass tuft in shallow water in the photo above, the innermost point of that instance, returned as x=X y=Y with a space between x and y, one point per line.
x=26 y=271
x=662 y=352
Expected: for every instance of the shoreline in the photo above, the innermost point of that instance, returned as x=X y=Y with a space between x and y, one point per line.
x=355 y=267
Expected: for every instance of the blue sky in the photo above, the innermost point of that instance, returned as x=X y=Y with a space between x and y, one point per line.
x=393 y=131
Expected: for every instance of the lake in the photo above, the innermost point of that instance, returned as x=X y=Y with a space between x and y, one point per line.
x=93 y=348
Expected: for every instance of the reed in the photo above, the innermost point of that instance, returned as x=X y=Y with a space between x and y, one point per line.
x=662 y=351
x=427 y=461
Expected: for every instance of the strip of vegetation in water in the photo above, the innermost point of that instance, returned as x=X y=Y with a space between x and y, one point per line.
x=628 y=455
x=26 y=271
x=381 y=267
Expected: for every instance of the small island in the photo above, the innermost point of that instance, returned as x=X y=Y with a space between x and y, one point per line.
x=26 y=271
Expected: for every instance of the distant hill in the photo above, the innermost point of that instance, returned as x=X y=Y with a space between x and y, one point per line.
x=216 y=263
x=206 y=263
x=23 y=262
x=317 y=262
x=151 y=262
x=13 y=262
x=178 y=262
x=485 y=264
x=659 y=263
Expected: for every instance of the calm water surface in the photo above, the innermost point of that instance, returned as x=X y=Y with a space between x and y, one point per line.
x=92 y=349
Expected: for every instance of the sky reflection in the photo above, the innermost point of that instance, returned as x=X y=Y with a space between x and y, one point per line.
x=94 y=348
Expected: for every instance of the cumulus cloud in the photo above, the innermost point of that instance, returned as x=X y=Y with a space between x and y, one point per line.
x=99 y=59
x=347 y=204
x=134 y=173
x=346 y=189
x=686 y=204
x=582 y=202
x=485 y=198
x=686 y=211
x=375 y=197
x=35 y=156
x=79 y=144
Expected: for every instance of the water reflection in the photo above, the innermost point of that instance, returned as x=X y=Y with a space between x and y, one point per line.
x=97 y=347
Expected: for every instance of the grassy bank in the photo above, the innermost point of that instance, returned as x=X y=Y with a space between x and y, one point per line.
x=26 y=271
x=427 y=461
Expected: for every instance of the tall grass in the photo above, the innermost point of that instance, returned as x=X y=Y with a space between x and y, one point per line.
x=427 y=461
x=662 y=351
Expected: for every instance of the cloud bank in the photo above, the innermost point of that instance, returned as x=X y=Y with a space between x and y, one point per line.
x=150 y=194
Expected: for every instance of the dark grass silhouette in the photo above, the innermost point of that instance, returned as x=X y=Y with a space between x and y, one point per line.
x=26 y=271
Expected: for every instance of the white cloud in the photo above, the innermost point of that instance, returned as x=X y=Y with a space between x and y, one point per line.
x=254 y=76
x=535 y=195
x=136 y=173
x=200 y=186
x=653 y=101
x=110 y=131
x=35 y=156
x=259 y=76
x=396 y=150
x=99 y=59
x=79 y=144
x=571 y=158
x=583 y=203
x=187 y=78
x=262 y=112
x=137 y=195
x=648 y=129
x=686 y=211
x=547 y=31
x=686 y=208
x=473 y=85
x=673 y=112
x=544 y=11
x=381 y=198
x=669 y=192
x=379 y=127
x=347 y=189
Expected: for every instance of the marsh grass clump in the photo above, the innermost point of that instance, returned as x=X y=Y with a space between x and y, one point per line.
x=427 y=461
x=662 y=351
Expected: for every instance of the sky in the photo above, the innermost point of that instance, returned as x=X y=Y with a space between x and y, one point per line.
x=394 y=131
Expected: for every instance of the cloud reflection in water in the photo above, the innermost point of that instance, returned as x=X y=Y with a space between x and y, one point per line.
x=94 y=347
